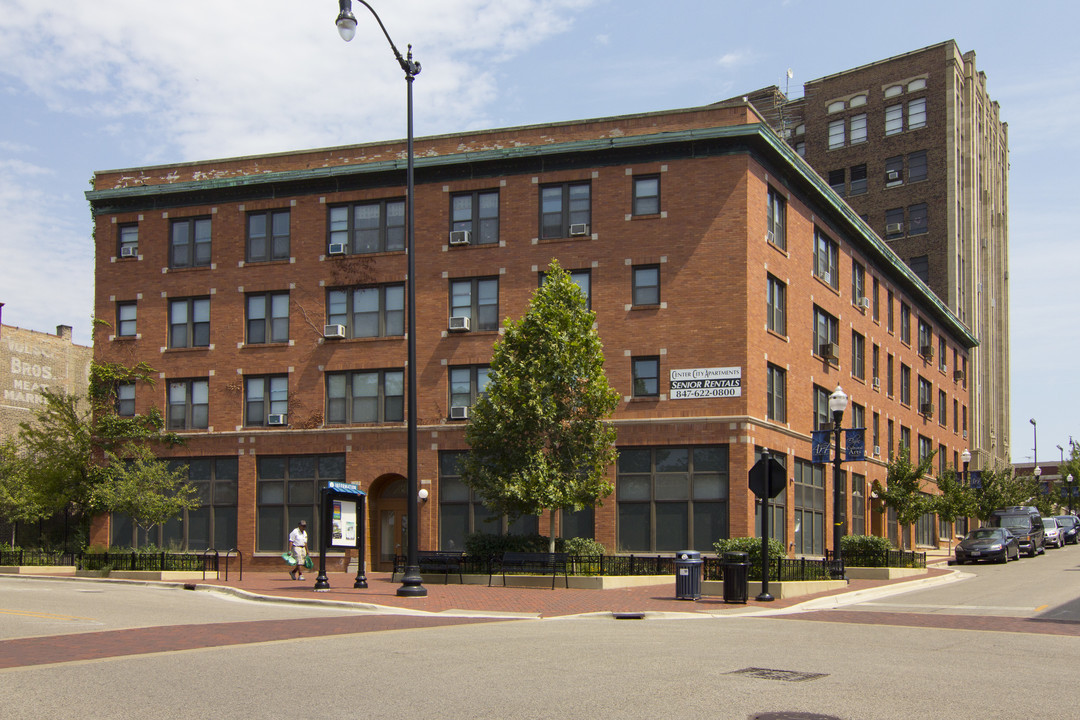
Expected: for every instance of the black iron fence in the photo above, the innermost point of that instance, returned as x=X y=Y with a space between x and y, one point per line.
x=155 y=562
x=36 y=557
x=888 y=558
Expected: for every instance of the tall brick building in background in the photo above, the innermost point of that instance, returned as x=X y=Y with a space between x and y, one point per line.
x=917 y=147
x=268 y=294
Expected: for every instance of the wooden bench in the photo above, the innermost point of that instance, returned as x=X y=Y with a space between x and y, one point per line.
x=535 y=563
x=432 y=561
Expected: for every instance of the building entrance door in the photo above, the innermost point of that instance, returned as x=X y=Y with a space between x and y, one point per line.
x=390 y=525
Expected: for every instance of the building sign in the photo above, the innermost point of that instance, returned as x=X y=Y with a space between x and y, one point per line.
x=706 y=383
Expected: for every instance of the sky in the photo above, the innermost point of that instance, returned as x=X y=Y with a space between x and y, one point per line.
x=109 y=84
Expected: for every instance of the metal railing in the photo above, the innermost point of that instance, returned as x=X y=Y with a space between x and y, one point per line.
x=889 y=558
x=36 y=557
x=154 y=562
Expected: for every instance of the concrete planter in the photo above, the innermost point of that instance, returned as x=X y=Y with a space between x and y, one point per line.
x=167 y=575
x=876 y=573
x=62 y=570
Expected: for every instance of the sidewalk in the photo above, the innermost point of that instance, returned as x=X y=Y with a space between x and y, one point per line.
x=454 y=599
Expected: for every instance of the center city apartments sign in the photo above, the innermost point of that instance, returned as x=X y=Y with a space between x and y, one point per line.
x=706 y=383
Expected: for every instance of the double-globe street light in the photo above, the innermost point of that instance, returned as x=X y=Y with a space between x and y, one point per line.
x=412 y=583
x=837 y=404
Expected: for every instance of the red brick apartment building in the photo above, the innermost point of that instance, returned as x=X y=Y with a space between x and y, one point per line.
x=267 y=292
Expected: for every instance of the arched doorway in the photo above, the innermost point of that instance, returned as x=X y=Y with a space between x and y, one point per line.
x=389 y=521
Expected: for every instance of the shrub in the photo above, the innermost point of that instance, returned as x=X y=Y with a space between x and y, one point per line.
x=584 y=547
x=486 y=545
x=750 y=546
x=865 y=545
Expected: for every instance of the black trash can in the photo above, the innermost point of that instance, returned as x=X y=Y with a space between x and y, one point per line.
x=736 y=570
x=688 y=565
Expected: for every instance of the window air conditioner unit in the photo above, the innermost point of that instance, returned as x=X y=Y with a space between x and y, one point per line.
x=894 y=228
x=460 y=237
x=459 y=412
x=275 y=419
x=770 y=236
x=958 y=375
x=338 y=248
x=877 y=383
x=460 y=323
x=927 y=409
x=333 y=331
x=829 y=351
x=927 y=351
x=864 y=303
x=129 y=251
x=892 y=175
x=877 y=450
x=579 y=229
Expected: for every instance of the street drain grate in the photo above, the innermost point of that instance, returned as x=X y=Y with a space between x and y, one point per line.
x=792 y=716
x=785 y=675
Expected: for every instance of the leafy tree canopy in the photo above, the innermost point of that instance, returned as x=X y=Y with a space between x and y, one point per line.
x=904 y=487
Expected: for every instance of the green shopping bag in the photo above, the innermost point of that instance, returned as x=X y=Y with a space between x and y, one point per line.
x=308 y=562
x=289 y=558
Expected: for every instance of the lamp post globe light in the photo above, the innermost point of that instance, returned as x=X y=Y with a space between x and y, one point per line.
x=837 y=405
x=1068 y=485
x=412 y=583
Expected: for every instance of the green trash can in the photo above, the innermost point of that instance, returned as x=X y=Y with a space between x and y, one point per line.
x=736 y=570
x=688 y=565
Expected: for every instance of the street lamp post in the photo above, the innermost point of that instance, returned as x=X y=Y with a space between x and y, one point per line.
x=412 y=583
x=837 y=404
x=965 y=457
x=1069 y=482
x=1035 y=437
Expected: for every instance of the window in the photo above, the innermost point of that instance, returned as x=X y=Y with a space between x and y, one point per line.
x=671 y=498
x=905 y=323
x=776 y=219
x=125 y=319
x=914 y=85
x=189 y=323
x=926 y=447
x=894 y=90
x=857 y=101
x=926 y=397
x=826 y=259
x=777 y=505
x=890 y=326
x=268 y=318
x=875 y=364
x=894 y=119
x=189 y=243
x=129 y=240
x=836 y=106
x=917 y=166
x=920 y=265
x=858 y=504
x=775 y=305
x=646 y=376
x=894 y=223
x=646 y=290
x=889 y=367
x=647 y=195
x=942 y=408
x=836 y=134
x=775 y=393
x=858 y=179
x=858 y=355
x=822 y=417
x=858 y=281
x=189 y=404
x=287 y=491
x=916 y=113
x=808 y=508
x=377 y=311
x=826 y=333
x=917 y=219
x=838 y=181
x=876 y=304
x=891 y=434
x=905 y=441
x=368 y=227
x=478 y=214
x=926 y=338
x=564 y=210
x=905 y=384
x=265 y=398
x=858 y=416
x=365 y=397
x=942 y=363
x=877 y=432
x=858 y=128
x=462 y=512
x=476 y=299
x=581 y=278
x=211 y=524
x=467 y=384
x=800 y=149
x=268 y=236
x=125 y=399
x=894 y=171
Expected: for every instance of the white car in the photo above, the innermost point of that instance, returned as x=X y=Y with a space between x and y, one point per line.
x=1054 y=534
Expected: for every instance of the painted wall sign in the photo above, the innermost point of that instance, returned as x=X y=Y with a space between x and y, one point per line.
x=706 y=383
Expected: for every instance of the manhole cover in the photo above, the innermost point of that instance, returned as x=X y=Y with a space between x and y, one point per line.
x=792 y=716
x=785 y=675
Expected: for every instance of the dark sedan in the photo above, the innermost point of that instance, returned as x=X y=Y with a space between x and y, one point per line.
x=988 y=543
x=1071 y=527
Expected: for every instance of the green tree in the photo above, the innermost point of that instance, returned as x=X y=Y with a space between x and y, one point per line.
x=82 y=457
x=903 y=491
x=1001 y=487
x=539 y=437
x=956 y=500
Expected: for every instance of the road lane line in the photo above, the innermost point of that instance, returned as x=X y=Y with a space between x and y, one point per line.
x=47 y=616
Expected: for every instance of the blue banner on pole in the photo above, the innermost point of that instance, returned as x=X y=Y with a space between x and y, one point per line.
x=976 y=479
x=855 y=444
x=821 y=446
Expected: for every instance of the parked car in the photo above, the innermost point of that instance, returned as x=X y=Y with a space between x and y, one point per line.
x=1025 y=522
x=1071 y=525
x=988 y=543
x=1052 y=533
